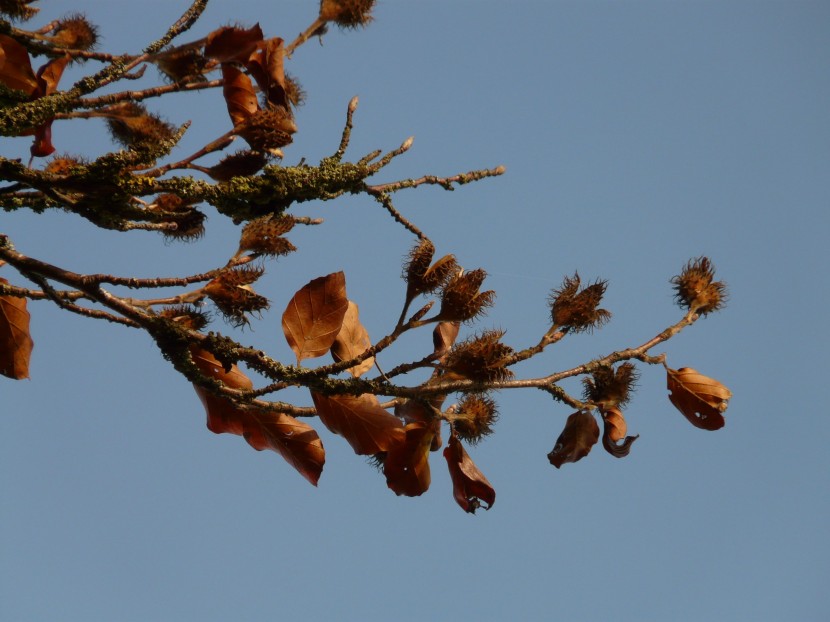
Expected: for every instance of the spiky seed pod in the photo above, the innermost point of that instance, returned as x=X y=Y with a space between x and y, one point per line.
x=63 y=164
x=577 y=310
x=695 y=289
x=420 y=276
x=264 y=235
x=481 y=358
x=461 y=301
x=233 y=296
x=186 y=315
x=268 y=130
x=609 y=388
x=294 y=91
x=190 y=222
x=182 y=64
x=18 y=9
x=132 y=126
x=347 y=13
x=240 y=164
x=74 y=32
x=474 y=417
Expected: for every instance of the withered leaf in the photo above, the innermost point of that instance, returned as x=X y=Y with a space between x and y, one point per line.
x=469 y=486
x=614 y=430
x=297 y=442
x=367 y=427
x=314 y=315
x=580 y=434
x=15 y=341
x=50 y=74
x=443 y=338
x=266 y=66
x=352 y=340
x=701 y=399
x=15 y=66
x=407 y=463
x=233 y=44
x=239 y=94
x=417 y=411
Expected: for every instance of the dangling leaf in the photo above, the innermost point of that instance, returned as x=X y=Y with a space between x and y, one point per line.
x=614 y=430
x=580 y=434
x=352 y=340
x=15 y=66
x=297 y=442
x=15 y=341
x=368 y=427
x=50 y=74
x=266 y=66
x=407 y=464
x=469 y=486
x=443 y=338
x=239 y=94
x=701 y=399
x=314 y=316
x=232 y=44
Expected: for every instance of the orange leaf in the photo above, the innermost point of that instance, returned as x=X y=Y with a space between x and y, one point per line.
x=50 y=74
x=407 y=464
x=239 y=94
x=701 y=399
x=352 y=340
x=469 y=486
x=15 y=66
x=232 y=44
x=15 y=341
x=295 y=441
x=266 y=66
x=367 y=427
x=314 y=316
x=580 y=434
x=614 y=429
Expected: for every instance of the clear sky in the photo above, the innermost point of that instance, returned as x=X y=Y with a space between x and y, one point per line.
x=636 y=135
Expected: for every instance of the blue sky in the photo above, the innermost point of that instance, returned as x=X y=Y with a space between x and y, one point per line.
x=636 y=135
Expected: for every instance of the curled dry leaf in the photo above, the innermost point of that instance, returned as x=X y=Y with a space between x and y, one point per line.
x=412 y=411
x=407 y=463
x=266 y=66
x=352 y=340
x=614 y=431
x=580 y=434
x=701 y=399
x=443 y=338
x=297 y=442
x=469 y=486
x=313 y=318
x=239 y=94
x=368 y=428
x=15 y=66
x=233 y=44
x=15 y=341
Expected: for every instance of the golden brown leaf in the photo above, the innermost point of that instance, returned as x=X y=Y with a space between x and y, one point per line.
x=239 y=94
x=15 y=341
x=701 y=399
x=368 y=428
x=407 y=463
x=614 y=430
x=233 y=44
x=50 y=74
x=443 y=338
x=266 y=66
x=297 y=442
x=15 y=66
x=314 y=315
x=580 y=434
x=469 y=486
x=352 y=340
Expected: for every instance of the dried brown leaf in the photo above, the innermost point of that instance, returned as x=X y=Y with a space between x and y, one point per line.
x=15 y=66
x=50 y=74
x=368 y=428
x=580 y=434
x=15 y=341
x=315 y=314
x=469 y=486
x=233 y=44
x=266 y=66
x=407 y=463
x=614 y=430
x=701 y=399
x=443 y=338
x=239 y=94
x=352 y=340
x=297 y=442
